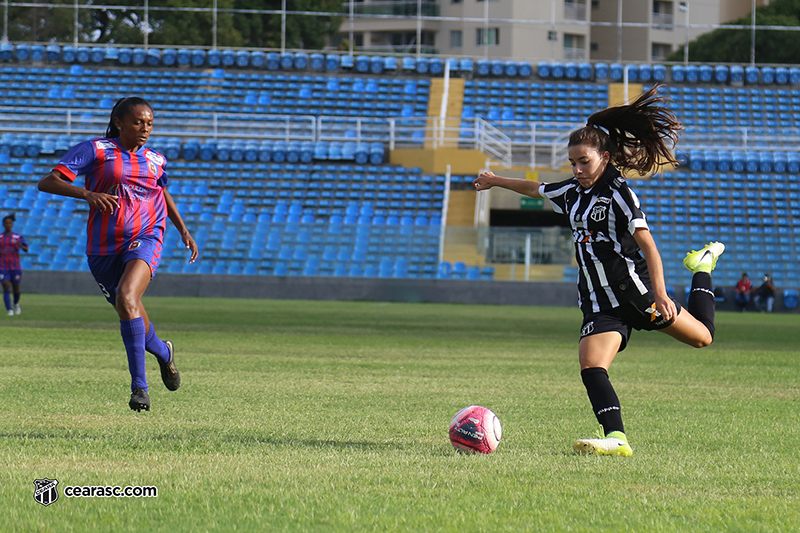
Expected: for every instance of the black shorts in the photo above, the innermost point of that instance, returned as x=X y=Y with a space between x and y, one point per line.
x=639 y=313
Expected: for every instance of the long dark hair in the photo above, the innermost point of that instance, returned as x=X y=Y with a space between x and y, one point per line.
x=122 y=108
x=635 y=135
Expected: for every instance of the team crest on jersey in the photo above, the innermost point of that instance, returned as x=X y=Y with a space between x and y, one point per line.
x=152 y=167
x=599 y=212
x=155 y=157
x=103 y=144
x=134 y=245
x=45 y=492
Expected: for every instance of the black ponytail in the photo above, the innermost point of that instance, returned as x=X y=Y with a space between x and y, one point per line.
x=120 y=109
x=638 y=136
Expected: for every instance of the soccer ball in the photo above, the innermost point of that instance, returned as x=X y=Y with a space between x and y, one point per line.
x=475 y=429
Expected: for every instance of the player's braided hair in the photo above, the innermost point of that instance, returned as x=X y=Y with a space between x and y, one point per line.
x=634 y=134
x=120 y=109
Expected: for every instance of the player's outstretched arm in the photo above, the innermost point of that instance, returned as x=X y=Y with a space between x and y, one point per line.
x=56 y=183
x=488 y=179
x=175 y=216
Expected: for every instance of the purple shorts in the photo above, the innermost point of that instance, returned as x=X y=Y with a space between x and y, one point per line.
x=14 y=276
x=108 y=269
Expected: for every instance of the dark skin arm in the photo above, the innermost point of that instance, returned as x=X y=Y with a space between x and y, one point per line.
x=177 y=221
x=56 y=183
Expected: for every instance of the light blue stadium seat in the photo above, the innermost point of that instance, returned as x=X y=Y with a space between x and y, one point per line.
x=466 y=64
x=331 y=62
x=498 y=67
x=317 y=61
x=153 y=57
x=258 y=59
x=53 y=52
x=198 y=57
x=183 y=56
x=23 y=52
x=139 y=56
x=484 y=67
x=616 y=71
x=678 y=73
x=601 y=71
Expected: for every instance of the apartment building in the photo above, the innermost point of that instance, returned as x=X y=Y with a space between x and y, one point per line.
x=532 y=30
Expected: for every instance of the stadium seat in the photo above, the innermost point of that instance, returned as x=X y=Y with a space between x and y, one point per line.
x=790 y=298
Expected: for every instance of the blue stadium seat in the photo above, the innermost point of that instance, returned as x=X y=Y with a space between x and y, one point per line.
x=198 y=57
x=751 y=75
x=242 y=58
x=301 y=60
x=616 y=71
x=139 y=56
x=376 y=65
x=678 y=73
x=659 y=73
x=258 y=59
x=525 y=69
x=485 y=67
x=721 y=73
x=331 y=62
x=436 y=65
x=767 y=75
x=6 y=51
x=169 y=56
x=153 y=57
x=23 y=52
x=317 y=61
x=53 y=52
x=601 y=71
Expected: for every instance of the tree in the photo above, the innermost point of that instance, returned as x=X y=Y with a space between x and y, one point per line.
x=734 y=45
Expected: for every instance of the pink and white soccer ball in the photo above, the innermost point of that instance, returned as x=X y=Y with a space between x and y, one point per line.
x=475 y=429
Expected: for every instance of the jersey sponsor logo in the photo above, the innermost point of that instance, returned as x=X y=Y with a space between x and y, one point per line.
x=134 y=245
x=154 y=157
x=599 y=212
x=102 y=144
x=587 y=329
x=134 y=192
x=654 y=313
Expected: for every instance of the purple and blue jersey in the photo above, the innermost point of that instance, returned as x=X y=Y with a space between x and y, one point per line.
x=137 y=178
x=9 y=251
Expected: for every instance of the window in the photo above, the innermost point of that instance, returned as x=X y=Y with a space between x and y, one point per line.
x=488 y=37
x=663 y=15
x=574 y=46
x=456 y=39
x=455 y=1
x=660 y=51
x=575 y=9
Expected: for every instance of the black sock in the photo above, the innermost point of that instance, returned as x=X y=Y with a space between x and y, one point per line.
x=16 y=297
x=701 y=300
x=603 y=398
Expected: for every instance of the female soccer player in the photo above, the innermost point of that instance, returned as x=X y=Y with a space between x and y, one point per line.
x=126 y=191
x=621 y=279
x=10 y=270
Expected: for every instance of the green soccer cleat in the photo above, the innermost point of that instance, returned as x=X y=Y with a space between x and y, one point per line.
x=169 y=372
x=140 y=400
x=615 y=444
x=704 y=259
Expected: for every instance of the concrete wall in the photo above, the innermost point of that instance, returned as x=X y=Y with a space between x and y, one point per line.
x=548 y=294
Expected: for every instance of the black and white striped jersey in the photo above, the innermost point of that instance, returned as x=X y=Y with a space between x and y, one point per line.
x=611 y=269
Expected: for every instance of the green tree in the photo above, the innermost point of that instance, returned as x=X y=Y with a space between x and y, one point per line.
x=43 y=24
x=734 y=45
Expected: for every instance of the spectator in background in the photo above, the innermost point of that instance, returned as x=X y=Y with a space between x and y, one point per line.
x=765 y=295
x=743 y=288
x=10 y=270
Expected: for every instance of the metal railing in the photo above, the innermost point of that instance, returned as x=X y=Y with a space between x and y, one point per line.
x=507 y=143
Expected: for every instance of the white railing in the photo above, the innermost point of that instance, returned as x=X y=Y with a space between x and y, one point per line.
x=506 y=143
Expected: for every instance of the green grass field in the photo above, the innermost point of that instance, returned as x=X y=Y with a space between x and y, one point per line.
x=324 y=416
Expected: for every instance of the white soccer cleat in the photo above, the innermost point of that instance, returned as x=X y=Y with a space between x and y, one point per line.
x=10 y=312
x=17 y=309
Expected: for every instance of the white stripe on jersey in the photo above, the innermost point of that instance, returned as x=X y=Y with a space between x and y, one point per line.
x=620 y=201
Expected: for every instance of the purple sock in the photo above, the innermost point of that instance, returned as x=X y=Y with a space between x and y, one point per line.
x=7 y=299
x=156 y=346
x=133 y=337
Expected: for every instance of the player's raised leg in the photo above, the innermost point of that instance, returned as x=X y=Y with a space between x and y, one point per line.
x=696 y=327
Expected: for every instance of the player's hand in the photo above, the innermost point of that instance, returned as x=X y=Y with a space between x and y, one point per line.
x=482 y=182
x=188 y=241
x=103 y=202
x=666 y=307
